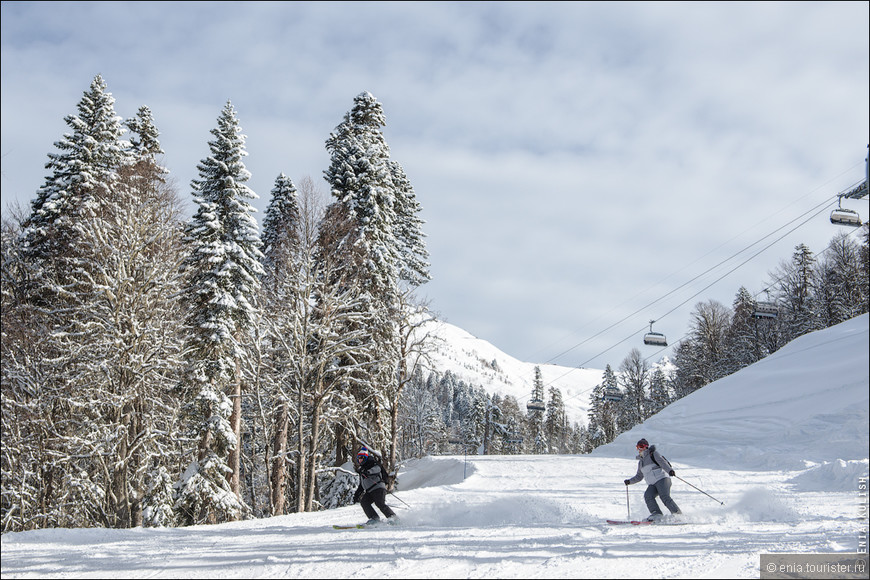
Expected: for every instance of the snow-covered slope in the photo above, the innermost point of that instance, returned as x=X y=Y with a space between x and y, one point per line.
x=805 y=404
x=743 y=440
x=478 y=362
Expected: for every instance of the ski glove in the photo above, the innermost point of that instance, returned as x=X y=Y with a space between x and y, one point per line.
x=627 y=482
x=671 y=473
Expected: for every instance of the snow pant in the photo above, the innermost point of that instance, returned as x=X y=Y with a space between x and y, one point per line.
x=378 y=496
x=661 y=488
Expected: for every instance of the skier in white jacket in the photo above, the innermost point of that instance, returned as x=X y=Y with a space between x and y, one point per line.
x=657 y=472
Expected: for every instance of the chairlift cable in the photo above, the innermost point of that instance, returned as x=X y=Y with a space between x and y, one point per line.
x=767 y=218
x=819 y=212
x=826 y=203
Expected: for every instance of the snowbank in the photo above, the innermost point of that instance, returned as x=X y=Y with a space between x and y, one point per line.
x=779 y=413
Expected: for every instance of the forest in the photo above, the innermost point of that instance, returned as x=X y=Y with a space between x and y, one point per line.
x=169 y=370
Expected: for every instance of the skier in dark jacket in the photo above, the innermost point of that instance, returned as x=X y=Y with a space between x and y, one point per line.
x=657 y=472
x=372 y=486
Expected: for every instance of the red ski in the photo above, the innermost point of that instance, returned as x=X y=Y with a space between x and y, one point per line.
x=646 y=523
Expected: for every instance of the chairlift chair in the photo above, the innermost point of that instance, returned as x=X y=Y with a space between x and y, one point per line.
x=612 y=394
x=654 y=338
x=845 y=217
x=765 y=310
x=536 y=405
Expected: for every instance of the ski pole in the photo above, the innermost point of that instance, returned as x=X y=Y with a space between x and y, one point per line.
x=627 y=506
x=701 y=490
x=400 y=499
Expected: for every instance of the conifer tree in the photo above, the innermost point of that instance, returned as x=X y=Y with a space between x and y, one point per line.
x=144 y=139
x=414 y=265
x=556 y=423
x=88 y=159
x=222 y=272
x=744 y=344
x=281 y=222
x=603 y=414
x=383 y=245
x=535 y=417
x=659 y=398
x=796 y=285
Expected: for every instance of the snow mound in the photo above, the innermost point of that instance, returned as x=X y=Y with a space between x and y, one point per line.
x=518 y=510
x=836 y=475
x=432 y=472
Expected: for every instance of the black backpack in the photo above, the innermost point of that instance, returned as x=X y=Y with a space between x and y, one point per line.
x=653 y=457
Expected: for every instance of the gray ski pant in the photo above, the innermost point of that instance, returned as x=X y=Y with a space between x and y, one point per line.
x=661 y=488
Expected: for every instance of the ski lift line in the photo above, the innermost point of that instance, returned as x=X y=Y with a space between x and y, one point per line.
x=701 y=258
x=819 y=212
x=826 y=203
x=853 y=233
x=672 y=310
x=741 y=264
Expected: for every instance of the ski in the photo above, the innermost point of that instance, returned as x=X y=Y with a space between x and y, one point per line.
x=352 y=527
x=646 y=523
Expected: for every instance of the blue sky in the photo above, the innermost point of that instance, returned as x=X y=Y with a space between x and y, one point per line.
x=575 y=162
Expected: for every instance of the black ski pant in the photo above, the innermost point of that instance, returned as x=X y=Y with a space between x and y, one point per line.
x=661 y=488
x=378 y=496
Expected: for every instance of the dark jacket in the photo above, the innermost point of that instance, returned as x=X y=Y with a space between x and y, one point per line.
x=372 y=475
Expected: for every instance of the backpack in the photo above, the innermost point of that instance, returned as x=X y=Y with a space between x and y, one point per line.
x=653 y=457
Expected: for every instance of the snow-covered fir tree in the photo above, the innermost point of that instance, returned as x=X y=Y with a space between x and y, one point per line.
x=105 y=418
x=556 y=423
x=144 y=138
x=283 y=308
x=535 y=416
x=384 y=244
x=796 y=284
x=744 y=344
x=603 y=413
x=281 y=222
x=222 y=270
x=87 y=160
x=659 y=396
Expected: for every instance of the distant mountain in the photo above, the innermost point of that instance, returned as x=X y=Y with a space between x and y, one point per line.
x=478 y=362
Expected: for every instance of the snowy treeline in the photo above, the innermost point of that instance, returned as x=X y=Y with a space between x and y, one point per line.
x=442 y=414
x=162 y=371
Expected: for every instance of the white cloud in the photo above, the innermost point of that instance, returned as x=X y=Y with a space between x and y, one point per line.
x=567 y=156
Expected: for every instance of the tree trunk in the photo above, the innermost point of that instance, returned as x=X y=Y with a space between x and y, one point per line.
x=300 y=454
x=236 y=426
x=312 y=458
x=280 y=446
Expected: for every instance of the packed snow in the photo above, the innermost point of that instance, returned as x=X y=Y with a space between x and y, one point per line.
x=773 y=459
